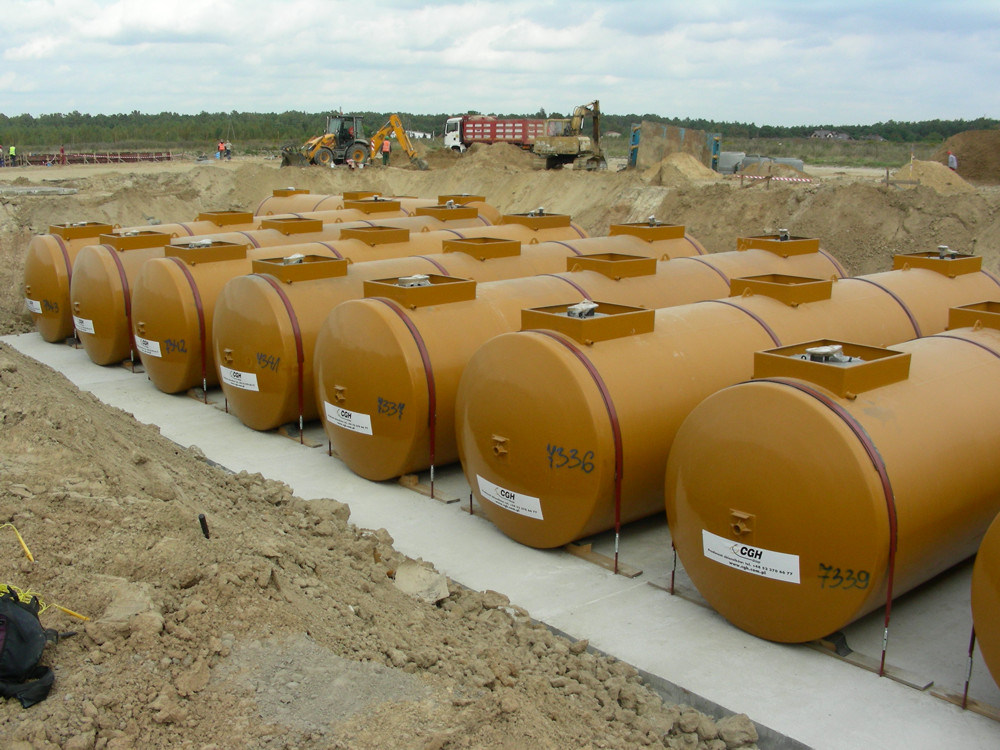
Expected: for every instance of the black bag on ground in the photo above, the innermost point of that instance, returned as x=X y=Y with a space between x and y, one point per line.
x=22 y=639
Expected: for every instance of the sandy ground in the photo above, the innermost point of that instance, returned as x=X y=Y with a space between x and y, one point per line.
x=297 y=630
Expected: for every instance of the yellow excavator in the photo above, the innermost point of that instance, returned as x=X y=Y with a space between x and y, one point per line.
x=344 y=139
x=395 y=127
x=564 y=141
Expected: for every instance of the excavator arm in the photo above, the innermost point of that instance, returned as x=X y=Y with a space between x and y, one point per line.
x=395 y=127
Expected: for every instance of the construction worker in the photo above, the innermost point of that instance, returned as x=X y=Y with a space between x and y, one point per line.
x=952 y=162
x=386 y=147
x=229 y=150
x=12 y=156
x=1 y=155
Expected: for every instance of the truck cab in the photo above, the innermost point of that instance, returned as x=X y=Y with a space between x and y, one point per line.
x=453 y=134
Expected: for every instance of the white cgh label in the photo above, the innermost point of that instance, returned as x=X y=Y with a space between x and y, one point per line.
x=83 y=325
x=754 y=560
x=33 y=305
x=246 y=381
x=148 y=347
x=515 y=502
x=354 y=421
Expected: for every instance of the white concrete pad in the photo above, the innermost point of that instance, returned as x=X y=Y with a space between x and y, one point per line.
x=796 y=691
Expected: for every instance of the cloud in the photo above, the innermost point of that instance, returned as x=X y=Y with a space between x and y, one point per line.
x=37 y=48
x=772 y=62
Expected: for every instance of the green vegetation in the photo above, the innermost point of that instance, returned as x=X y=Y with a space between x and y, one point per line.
x=265 y=133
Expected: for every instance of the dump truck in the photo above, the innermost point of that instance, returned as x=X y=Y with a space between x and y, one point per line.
x=462 y=132
x=559 y=140
x=344 y=139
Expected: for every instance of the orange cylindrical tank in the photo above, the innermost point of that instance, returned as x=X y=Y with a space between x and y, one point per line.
x=295 y=200
x=50 y=259
x=101 y=292
x=986 y=598
x=372 y=352
x=177 y=320
x=48 y=271
x=575 y=425
x=834 y=481
x=320 y=227
x=266 y=395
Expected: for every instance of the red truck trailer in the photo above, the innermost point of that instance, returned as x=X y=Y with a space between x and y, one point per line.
x=462 y=132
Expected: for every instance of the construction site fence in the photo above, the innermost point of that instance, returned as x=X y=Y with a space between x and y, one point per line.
x=107 y=157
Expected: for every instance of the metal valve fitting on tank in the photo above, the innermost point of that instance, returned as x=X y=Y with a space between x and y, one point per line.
x=418 y=279
x=585 y=309
x=831 y=354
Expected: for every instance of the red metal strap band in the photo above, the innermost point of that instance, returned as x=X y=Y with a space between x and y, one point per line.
x=879 y=466
x=300 y=357
x=126 y=292
x=201 y=320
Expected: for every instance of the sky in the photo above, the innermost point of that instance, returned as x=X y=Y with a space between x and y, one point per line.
x=770 y=62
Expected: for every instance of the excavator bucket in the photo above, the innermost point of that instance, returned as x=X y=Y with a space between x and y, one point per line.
x=291 y=156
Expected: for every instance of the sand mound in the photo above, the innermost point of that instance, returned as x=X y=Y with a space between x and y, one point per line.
x=773 y=169
x=677 y=169
x=505 y=155
x=978 y=153
x=441 y=158
x=933 y=175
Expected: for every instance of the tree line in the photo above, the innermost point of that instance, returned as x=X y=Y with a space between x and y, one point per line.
x=137 y=130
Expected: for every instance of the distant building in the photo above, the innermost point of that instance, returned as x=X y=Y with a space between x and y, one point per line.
x=832 y=134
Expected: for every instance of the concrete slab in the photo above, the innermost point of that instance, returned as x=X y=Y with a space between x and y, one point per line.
x=683 y=647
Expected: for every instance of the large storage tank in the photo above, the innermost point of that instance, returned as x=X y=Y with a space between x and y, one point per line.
x=840 y=477
x=49 y=261
x=293 y=200
x=564 y=428
x=986 y=598
x=167 y=292
x=101 y=291
x=250 y=317
x=376 y=351
x=51 y=257
x=288 y=230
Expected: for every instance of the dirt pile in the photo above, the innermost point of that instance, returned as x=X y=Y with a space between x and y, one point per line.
x=285 y=628
x=774 y=169
x=978 y=154
x=933 y=175
x=658 y=140
x=677 y=169
x=505 y=156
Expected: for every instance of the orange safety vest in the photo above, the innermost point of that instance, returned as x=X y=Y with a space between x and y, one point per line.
x=386 y=146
